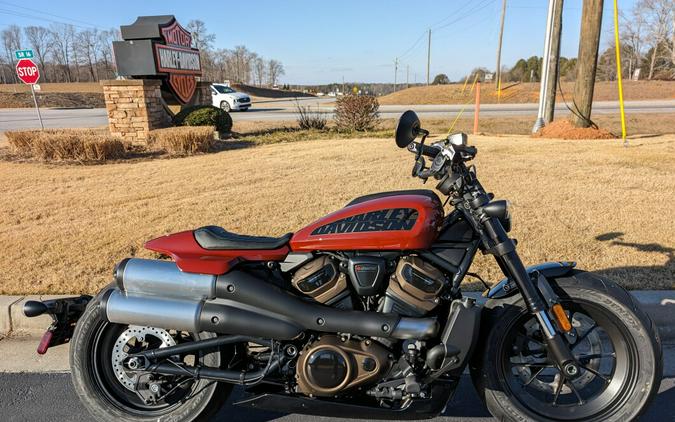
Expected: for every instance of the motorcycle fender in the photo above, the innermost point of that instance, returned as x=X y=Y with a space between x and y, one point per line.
x=507 y=287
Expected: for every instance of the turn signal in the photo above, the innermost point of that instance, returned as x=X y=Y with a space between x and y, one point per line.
x=561 y=318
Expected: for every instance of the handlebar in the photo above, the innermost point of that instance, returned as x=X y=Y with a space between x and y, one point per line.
x=469 y=150
x=427 y=151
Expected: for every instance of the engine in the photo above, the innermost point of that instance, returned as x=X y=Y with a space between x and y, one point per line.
x=332 y=364
x=414 y=288
x=322 y=280
x=410 y=287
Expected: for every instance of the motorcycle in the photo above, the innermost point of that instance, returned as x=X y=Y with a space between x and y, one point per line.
x=361 y=315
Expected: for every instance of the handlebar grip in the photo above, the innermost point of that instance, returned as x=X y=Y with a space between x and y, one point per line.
x=466 y=149
x=428 y=151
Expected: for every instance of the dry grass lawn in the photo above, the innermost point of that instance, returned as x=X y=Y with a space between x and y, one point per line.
x=610 y=208
x=55 y=87
x=528 y=93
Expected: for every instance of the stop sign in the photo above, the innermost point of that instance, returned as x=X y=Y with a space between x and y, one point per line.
x=27 y=71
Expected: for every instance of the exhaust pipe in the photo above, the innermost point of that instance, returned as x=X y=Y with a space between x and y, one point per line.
x=157 y=293
x=195 y=316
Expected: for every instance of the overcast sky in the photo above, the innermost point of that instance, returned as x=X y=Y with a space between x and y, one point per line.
x=324 y=41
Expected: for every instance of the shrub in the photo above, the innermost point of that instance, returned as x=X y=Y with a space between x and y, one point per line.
x=66 y=145
x=441 y=79
x=182 y=140
x=356 y=112
x=204 y=116
x=308 y=119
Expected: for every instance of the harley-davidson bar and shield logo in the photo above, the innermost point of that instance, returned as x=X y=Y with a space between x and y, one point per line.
x=157 y=47
x=179 y=60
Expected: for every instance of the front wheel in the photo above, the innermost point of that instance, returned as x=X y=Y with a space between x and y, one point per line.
x=108 y=387
x=615 y=343
x=225 y=106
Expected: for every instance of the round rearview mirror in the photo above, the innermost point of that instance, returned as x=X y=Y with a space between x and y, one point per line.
x=407 y=128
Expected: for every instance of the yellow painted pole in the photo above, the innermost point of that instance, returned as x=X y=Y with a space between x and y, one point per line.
x=617 y=47
x=473 y=84
x=499 y=89
x=466 y=80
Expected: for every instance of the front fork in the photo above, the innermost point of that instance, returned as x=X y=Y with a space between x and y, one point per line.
x=540 y=299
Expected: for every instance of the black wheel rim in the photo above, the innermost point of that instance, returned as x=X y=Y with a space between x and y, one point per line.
x=115 y=393
x=603 y=346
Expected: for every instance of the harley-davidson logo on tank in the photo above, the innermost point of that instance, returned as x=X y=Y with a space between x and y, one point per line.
x=375 y=221
x=159 y=47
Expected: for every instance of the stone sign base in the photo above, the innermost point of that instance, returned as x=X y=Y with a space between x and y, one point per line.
x=134 y=108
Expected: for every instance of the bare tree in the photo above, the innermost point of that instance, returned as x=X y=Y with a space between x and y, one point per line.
x=658 y=15
x=632 y=36
x=241 y=58
x=104 y=47
x=201 y=39
x=11 y=41
x=274 y=70
x=259 y=70
x=62 y=36
x=87 y=41
x=63 y=52
x=40 y=40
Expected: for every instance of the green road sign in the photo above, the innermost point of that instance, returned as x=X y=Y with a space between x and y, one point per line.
x=23 y=54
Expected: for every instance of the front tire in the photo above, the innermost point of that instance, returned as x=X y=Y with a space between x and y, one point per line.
x=225 y=106
x=108 y=400
x=616 y=342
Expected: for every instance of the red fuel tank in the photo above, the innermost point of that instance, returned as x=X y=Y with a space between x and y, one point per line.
x=394 y=222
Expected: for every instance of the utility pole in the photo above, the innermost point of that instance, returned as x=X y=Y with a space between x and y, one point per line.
x=428 y=55
x=589 y=42
x=553 y=68
x=498 y=74
x=395 y=73
x=407 y=76
x=543 y=79
x=343 y=84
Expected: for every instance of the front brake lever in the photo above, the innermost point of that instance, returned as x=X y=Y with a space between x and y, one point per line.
x=419 y=165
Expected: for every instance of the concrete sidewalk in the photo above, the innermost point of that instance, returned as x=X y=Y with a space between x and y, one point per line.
x=659 y=304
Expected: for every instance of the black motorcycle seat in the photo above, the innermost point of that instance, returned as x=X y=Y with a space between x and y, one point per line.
x=423 y=192
x=217 y=238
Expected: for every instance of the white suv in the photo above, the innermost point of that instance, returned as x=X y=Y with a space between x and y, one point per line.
x=228 y=99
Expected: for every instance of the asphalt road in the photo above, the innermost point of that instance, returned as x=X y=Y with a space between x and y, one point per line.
x=283 y=110
x=50 y=397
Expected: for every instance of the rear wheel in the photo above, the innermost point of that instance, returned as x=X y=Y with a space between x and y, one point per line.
x=615 y=343
x=111 y=390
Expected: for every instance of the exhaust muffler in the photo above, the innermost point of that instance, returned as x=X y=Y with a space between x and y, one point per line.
x=195 y=316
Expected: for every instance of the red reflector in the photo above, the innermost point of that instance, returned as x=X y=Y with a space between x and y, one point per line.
x=44 y=343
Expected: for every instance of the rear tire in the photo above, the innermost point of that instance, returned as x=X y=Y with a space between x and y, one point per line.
x=508 y=388
x=96 y=389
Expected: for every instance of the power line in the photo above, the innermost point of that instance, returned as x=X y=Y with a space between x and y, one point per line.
x=49 y=14
x=480 y=6
x=40 y=18
x=435 y=27
x=452 y=14
x=413 y=46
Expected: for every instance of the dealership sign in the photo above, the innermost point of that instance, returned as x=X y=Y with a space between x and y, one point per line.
x=159 y=47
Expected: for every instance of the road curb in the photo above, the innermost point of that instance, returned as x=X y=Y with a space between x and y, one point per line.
x=659 y=305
